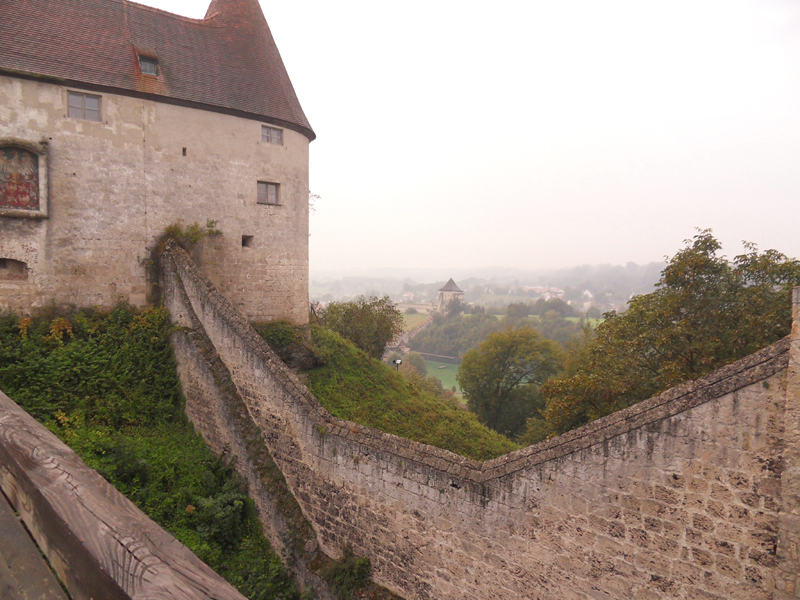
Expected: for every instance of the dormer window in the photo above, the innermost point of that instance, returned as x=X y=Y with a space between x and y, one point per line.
x=148 y=65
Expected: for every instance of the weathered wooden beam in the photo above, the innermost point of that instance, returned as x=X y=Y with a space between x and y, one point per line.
x=100 y=544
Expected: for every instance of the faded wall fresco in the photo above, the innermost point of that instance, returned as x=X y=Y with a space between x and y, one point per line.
x=19 y=179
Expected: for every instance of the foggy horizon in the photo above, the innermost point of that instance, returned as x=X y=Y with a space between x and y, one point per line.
x=435 y=274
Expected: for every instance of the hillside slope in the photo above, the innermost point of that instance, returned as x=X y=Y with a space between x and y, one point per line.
x=354 y=387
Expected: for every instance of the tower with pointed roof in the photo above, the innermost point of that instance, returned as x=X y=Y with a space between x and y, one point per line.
x=119 y=120
x=449 y=292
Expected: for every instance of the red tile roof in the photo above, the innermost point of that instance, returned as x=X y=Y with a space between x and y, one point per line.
x=227 y=62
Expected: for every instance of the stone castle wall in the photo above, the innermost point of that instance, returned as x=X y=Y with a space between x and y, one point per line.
x=115 y=186
x=691 y=494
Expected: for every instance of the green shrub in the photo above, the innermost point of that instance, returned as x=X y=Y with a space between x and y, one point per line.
x=107 y=385
x=116 y=369
x=279 y=334
x=192 y=235
x=291 y=344
x=348 y=575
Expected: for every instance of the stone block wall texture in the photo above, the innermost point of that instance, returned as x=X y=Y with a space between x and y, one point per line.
x=115 y=186
x=691 y=494
x=219 y=414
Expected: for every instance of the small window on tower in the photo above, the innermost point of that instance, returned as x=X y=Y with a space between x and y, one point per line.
x=268 y=193
x=148 y=65
x=272 y=135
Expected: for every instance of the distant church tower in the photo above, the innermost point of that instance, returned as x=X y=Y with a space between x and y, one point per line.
x=449 y=292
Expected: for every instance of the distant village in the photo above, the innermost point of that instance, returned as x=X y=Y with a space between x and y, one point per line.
x=589 y=288
x=416 y=300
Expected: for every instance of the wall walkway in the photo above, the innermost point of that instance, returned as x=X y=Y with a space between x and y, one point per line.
x=692 y=494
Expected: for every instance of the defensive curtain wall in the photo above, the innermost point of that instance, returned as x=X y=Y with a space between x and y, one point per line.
x=692 y=494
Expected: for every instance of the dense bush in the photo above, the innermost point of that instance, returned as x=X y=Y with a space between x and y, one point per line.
x=116 y=370
x=370 y=323
x=107 y=385
x=348 y=575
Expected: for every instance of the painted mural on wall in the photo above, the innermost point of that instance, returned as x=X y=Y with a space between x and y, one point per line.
x=19 y=179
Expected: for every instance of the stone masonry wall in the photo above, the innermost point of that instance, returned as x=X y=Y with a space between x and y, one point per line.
x=680 y=496
x=219 y=414
x=117 y=184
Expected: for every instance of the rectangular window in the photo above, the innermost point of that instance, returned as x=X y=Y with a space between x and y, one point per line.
x=268 y=193
x=148 y=65
x=271 y=135
x=84 y=106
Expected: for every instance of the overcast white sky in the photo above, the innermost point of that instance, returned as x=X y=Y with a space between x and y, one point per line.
x=543 y=134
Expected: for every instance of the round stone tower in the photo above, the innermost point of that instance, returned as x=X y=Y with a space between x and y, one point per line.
x=120 y=120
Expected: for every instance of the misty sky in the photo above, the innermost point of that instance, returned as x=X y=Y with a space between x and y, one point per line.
x=543 y=134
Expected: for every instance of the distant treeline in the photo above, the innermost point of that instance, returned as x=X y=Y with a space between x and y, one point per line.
x=456 y=333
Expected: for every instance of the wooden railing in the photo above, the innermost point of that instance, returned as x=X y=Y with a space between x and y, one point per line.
x=98 y=542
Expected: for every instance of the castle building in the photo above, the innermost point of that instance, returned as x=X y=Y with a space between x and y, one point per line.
x=449 y=292
x=118 y=120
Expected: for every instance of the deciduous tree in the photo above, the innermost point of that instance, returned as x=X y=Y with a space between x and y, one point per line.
x=500 y=378
x=415 y=359
x=370 y=323
x=454 y=335
x=706 y=312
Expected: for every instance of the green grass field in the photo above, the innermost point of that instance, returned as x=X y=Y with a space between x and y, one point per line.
x=412 y=321
x=447 y=374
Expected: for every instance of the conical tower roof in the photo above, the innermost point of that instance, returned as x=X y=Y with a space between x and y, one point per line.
x=451 y=286
x=227 y=62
